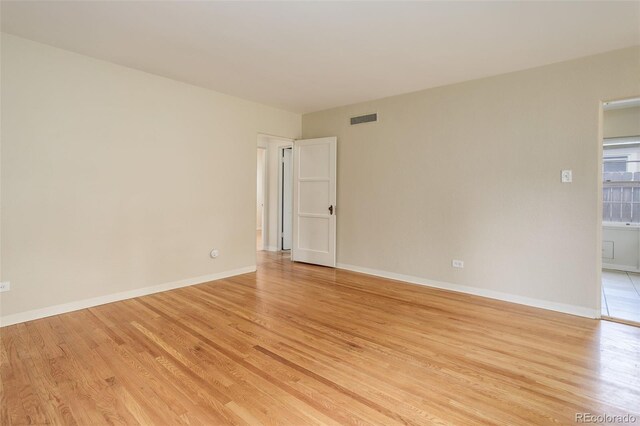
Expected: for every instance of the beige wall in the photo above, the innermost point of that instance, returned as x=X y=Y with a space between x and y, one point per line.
x=472 y=171
x=621 y=122
x=114 y=179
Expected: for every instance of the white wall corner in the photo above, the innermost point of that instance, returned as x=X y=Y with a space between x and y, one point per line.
x=115 y=297
x=506 y=297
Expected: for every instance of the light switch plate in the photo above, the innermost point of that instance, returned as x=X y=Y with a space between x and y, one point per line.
x=567 y=176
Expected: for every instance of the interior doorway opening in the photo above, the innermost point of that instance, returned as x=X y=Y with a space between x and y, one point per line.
x=621 y=211
x=274 y=194
x=299 y=198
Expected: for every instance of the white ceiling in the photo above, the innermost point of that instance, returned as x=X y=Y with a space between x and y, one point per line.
x=308 y=56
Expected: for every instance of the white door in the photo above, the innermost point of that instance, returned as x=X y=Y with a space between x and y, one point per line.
x=287 y=198
x=314 y=201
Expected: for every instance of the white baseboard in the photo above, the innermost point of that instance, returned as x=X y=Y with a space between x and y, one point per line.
x=109 y=298
x=271 y=248
x=491 y=294
x=615 y=267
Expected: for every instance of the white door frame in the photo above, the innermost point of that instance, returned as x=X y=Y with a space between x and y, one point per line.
x=264 y=194
x=599 y=207
x=599 y=198
x=280 y=152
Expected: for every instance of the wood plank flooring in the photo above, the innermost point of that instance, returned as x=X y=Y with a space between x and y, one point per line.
x=298 y=344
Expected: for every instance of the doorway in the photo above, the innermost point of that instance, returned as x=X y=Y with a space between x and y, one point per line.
x=621 y=211
x=299 y=198
x=273 y=201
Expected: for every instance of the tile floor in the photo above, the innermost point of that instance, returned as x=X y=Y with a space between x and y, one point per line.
x=621 y=295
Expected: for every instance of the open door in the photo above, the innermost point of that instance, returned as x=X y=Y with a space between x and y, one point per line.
x=314 y=201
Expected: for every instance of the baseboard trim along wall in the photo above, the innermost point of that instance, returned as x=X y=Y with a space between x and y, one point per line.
x=506 y=297
x=115 y=297
x=614 y=267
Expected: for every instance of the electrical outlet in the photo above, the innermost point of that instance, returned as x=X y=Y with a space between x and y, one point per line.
x=566 y=176
x=214 y=253
x=457 y=263
x=5 y=286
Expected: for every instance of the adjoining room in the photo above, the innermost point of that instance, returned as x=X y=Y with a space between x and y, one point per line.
x=621 y=211
x=275 y=192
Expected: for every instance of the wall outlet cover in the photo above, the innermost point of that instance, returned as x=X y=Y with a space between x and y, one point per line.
x=5 y=286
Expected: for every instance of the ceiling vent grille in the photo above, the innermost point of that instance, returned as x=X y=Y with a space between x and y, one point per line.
x=361 y=119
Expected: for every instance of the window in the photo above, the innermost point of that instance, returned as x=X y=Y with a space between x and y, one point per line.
x=620 y=189
x=615 y=164
x=621 y=180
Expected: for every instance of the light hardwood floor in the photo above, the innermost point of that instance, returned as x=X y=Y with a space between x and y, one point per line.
x=297 y=344
x=621 y=295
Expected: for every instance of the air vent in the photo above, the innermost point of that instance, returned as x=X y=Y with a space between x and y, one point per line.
x=364 y=119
